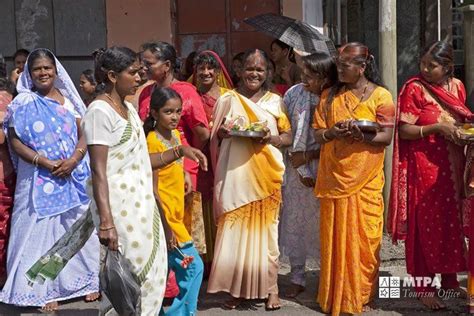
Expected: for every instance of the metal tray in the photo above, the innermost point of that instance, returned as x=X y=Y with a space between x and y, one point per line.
x=368 y=126
x=251 y=134
x=467 y=137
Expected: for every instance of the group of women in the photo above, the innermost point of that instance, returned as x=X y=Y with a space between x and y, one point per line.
x=136 y=171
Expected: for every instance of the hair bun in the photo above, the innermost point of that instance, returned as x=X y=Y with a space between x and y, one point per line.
x=97 y=54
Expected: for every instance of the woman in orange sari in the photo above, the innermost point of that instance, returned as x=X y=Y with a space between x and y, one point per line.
x=211 y=80
x=350 y=181
x=247 y=191
x=428 y=164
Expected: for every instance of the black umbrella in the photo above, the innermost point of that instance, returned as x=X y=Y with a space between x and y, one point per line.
x=297 y=34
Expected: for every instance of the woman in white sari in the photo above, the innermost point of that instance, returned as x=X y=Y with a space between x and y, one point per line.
x=124 y=208
x=248 y=177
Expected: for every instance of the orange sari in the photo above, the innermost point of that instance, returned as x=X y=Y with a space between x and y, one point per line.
x=349 y=184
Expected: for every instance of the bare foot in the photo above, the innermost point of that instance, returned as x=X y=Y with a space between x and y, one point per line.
x=92 y=297
x=273 y=302
x=233 y=303
x=293 y=290
x=50 y=307
x=432 y=303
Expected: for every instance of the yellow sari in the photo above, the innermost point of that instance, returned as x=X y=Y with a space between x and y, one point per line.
x=349 y=184
x=248 y=178
x=170 y=186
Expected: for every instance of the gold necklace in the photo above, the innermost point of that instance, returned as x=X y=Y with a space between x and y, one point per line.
x=346 y=102
x=119 y=108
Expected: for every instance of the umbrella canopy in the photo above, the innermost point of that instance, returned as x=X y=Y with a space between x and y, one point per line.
x=295 y=33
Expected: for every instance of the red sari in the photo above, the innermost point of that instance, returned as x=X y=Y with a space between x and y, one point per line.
x=426 y=204
x=7 y=188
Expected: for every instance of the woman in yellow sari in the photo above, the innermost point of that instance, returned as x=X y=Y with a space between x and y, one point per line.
x=350 y=181
x=247 y=184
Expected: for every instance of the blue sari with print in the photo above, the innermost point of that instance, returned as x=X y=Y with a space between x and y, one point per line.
x=50 y=129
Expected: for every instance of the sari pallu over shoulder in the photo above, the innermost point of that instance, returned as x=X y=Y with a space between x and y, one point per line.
x=50 y=129
x=244 y=170
x=398 y=205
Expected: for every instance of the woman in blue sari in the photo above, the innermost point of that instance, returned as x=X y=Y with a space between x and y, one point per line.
x=49 y=154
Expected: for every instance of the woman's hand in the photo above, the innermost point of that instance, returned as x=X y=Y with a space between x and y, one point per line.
x=450 y=131
x=307 y=182
x=188 y=183
x=195 y=155
x=108 y=238
x=298 y=159
x=64 y=168
x=265 y=139
x=355 y=131
x=339 y=130
x=223 y=132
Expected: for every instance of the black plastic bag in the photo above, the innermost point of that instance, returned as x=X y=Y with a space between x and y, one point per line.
x=120 y=284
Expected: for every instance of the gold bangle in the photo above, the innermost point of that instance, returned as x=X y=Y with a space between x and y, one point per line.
x=177 y=152
x=75 y=160
x=35 y=160
x=106 y=228
x=324 y=136
x=421 y=132
x=82 y=151
x=161 y=158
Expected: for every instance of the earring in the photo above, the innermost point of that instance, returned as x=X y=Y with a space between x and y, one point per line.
x=154 y=123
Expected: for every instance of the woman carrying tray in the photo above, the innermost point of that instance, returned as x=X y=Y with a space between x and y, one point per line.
x=247 y=193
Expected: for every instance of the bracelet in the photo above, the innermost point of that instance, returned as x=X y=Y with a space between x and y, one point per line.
x=75 y=160
x=421 y=132
x=177 y=152
x=35 y=160
x=280 y=141
x=161 y=158
x=324 y=136
x=361 y=139
x=106 y=228
x=82 y=151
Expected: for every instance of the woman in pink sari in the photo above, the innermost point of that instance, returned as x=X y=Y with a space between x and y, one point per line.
x=427 y=195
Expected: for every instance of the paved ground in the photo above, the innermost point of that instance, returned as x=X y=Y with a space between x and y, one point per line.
x=392 y=265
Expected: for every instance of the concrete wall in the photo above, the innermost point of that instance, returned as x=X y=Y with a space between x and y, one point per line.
x=132 y=23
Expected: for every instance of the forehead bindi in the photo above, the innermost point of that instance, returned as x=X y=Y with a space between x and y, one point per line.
x=255 y=61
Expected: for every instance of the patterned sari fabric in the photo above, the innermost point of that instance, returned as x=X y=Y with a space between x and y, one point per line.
x=45 y=206
x=7 y=189
x=349 y=185
x=132 y=203
x=248 y=178
x=299 y=226
x=427 y=203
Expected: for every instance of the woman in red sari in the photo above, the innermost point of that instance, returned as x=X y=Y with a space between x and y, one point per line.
x=211 y=80
x=161 y=64
x=7 y=182
x=427 y=201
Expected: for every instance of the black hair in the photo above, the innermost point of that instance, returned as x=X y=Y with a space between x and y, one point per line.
x=3 y=67
x=362 y=56
x=164 y=51
x=323 y=65
x=116 y=58
x=267 y=84
x=280 y=44
x=40 y=53
x=205 y=58
x=6 y=85
x=89 y=75
x=21 y=52
x=442 y=52
x=239 y=56
x=159 y=97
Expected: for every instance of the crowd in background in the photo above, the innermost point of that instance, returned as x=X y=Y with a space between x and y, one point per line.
x=146 y=163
